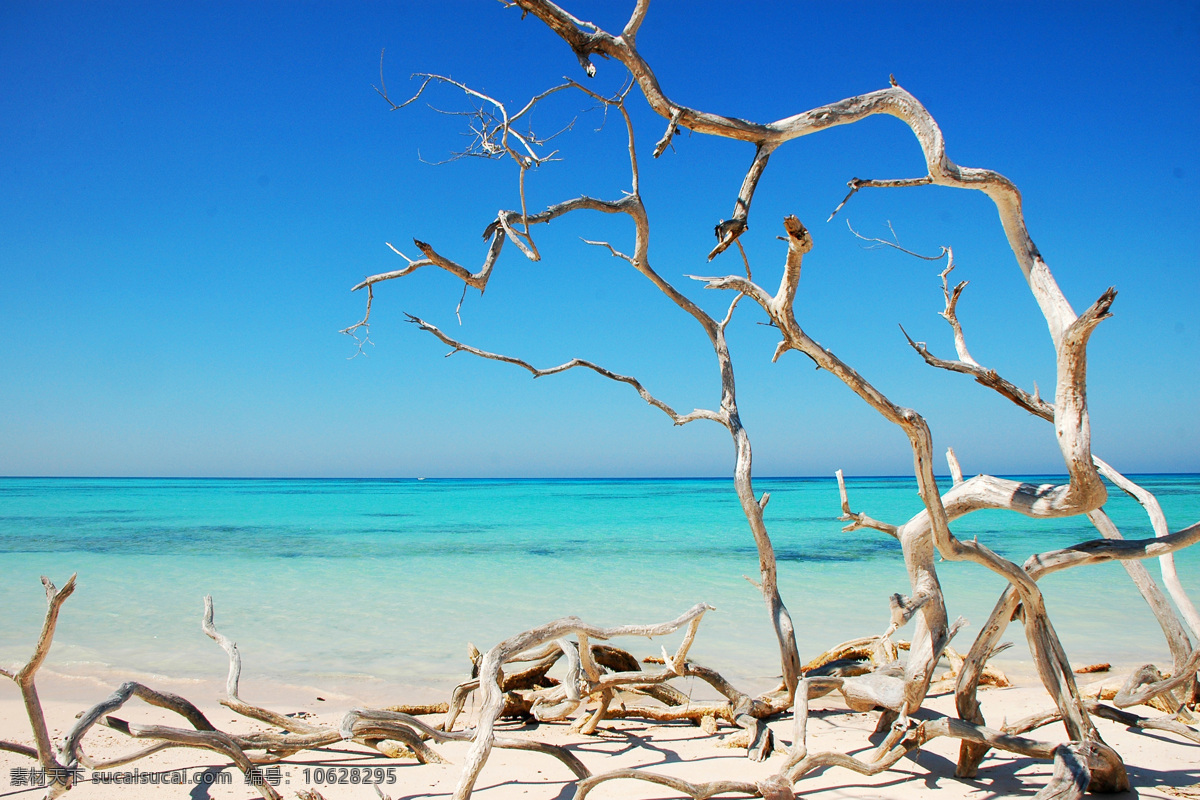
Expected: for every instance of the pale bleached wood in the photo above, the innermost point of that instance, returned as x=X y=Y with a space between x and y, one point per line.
x=216 y=741
x=59 y=778
x=1176 y=636
x=278 y=743
x=1069 y=333
x=698 y=791
x=494 y=659
x=1071 y=775
x=1170 y=724
x=859 y=520
x=879 y=649
x=532 y=677
x=70 y=747
x=128 y=758
x=799 y=746
x=678 y=419
x=1140 y=688
x=927 y=535
x=1158 y=522
x=1099 y=761
x=918 y=548
x=387 y=720
x=966 y=364
x=1082 y=493
x=893 y=101
x=956 y=473
x=631 y=205
x=297 y=735
x=19 y=749
x=61 y=774
x=950 y=314
x=232 y=700
x=989 y=636
x=1038 y=566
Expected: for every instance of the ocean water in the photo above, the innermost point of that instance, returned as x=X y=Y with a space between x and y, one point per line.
x=345 y=583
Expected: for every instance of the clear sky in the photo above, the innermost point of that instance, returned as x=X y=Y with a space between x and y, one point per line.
x=189 y=190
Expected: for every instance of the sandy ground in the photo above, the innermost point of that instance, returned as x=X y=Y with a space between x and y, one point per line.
x=1156 y=761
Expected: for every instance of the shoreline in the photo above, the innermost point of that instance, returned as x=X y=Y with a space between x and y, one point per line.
x=87 y=687
x=88 y=682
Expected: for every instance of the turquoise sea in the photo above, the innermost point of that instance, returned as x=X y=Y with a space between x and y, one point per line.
x=381 y=583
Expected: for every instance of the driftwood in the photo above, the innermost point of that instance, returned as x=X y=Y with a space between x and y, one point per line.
x=512 y=678
x=59 y=776
x=1108 y=712
x=595 y=673
x=868 y=675
x=1079 y=765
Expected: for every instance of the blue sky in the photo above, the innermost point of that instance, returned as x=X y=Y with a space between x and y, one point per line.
x=188 y=192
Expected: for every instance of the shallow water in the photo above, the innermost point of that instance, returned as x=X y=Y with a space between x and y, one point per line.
x=328 y=582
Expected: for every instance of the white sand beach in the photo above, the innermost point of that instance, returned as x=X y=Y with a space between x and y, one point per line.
x=1157 y=761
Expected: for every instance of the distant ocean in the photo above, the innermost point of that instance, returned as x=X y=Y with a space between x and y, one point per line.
x=383 y=582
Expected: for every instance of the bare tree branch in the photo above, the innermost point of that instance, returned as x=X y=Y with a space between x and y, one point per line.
x=1084 y=762
x=232 y=700
x=1158 y=522
x=859 y=520
x=895 y=245
x=60 y=779
x=986 y=377
x=678 y=419
x=858 y=183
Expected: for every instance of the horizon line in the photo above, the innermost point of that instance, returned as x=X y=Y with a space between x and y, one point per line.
x=523 y=477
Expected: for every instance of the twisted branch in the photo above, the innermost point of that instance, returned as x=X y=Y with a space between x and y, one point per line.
x=678 y=419
x=60 y=779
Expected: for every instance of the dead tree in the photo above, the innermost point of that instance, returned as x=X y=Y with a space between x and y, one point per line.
x=512 y=677
x=899 y=690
